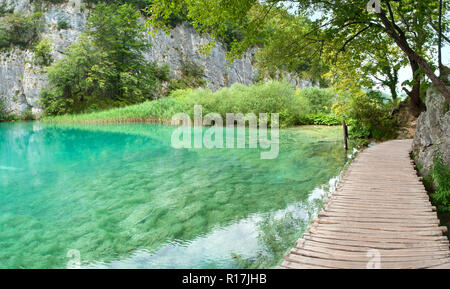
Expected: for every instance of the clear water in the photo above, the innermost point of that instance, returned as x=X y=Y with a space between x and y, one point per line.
x=124 y=198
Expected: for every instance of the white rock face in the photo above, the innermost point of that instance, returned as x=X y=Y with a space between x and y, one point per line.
x=433 y=131
x=183 y=43
x=21 y=81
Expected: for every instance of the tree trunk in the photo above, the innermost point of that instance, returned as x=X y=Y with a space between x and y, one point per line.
x=416 y=103
x=412 y=55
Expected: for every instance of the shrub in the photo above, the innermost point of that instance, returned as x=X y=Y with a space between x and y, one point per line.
x=370 y=117
x=161 y=109
x=4 y=10
x=43 y=53
x=18 y=30
x=3 y=110
x=63 y=24
x=319 y=100
x=321 y=119
x=269 y=97
x=27 y=115
x=440 y=174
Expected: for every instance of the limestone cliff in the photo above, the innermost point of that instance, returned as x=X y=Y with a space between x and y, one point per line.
x=21 y=81
x=433 y=131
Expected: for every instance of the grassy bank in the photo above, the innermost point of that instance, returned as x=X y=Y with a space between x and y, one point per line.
x=295 y=107
x=367 y=114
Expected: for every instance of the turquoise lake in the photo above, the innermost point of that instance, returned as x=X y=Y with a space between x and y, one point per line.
x=122 y=197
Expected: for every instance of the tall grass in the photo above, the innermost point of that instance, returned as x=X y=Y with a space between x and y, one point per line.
x=160 y=110
x=294 y=106
x=269 y=97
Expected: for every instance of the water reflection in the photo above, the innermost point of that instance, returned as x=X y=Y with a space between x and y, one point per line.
x=124 y=198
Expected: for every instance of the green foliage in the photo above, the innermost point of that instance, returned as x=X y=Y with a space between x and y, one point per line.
x=440 y=174
x=269 y=97
x=43 y=53
x=106 y=68
x=27 y=115
x=63 y=24
x=370 y=117
x=4 y=10
x=279 y=48
x=233 y=34
x=373 y=46
x=321 y=119
x=140 y=4
x=3 y=110
x=157 y=110
x=19 y=30
x=319 y=100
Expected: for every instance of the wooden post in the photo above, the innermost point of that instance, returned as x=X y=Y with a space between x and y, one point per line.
x=345 y=134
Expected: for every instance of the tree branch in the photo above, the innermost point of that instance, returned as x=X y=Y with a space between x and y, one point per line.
x=353 y=37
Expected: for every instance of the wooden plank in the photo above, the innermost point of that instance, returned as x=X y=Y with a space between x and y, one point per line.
x=352 y=248
x=442 y=266
x=415 y=222
x=373 y=230
x=363 y=206
x=338 y=264
x=349 y=208
x=353 y=214
x=379 y=204
x=365 y=257
x=375 y=236
x=293 y=265
x=350 y=222
x=425 y=252
x=374 y=239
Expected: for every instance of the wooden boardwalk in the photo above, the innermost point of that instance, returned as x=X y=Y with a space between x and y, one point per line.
x=380 y=216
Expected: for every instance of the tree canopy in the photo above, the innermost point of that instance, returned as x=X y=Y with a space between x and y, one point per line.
x=337 y=29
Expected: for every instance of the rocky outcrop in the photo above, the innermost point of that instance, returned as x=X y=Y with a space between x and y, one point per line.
x=21 y=80
x=433 y=132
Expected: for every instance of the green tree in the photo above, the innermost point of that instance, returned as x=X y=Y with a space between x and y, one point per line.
x=116 y=32
x=283 y=49
x=339 y=25
x=375 y=64
x=106 y=68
